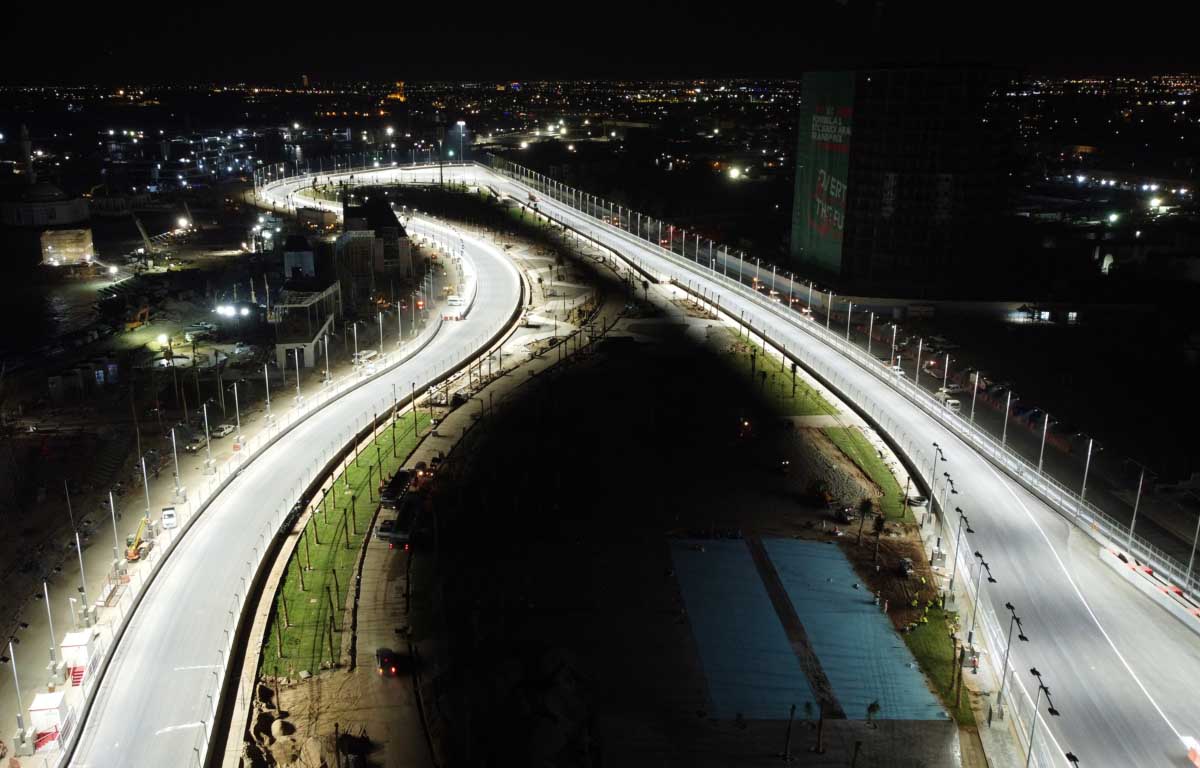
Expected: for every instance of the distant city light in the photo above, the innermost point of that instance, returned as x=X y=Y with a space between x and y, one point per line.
x=735 y=173
x=112 y=270
x=183 y=222
x=1112 y=218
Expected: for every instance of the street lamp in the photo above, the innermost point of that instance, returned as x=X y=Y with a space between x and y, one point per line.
x=1015 y=620
x=207 y=441
x=962 y=523
x=461 y=127
x=1033 y=720
x=237 y=412
x=983 y=566
x=267 y=388
x=1087 y=464
x=1007 y=414
x=1042 y=452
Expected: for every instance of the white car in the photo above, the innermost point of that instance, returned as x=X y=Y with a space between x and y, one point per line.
x=223 y=430
x=169 y=519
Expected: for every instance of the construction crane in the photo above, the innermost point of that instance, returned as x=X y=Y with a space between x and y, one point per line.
x=135 y=546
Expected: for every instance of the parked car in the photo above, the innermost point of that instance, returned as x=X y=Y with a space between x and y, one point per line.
x=194 y=445
x=169 y=519
x=223 y=430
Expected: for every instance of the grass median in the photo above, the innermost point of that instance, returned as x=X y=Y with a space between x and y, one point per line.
x=786 y=393
x=930 y=643
x=856 y=447
x=306 y=623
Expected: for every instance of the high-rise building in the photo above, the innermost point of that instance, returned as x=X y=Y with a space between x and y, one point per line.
x=901 y=178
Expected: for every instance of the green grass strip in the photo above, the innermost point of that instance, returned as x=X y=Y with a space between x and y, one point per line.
x=933 y=648
x=339 y=524
x=852 y=442
x=777 y=387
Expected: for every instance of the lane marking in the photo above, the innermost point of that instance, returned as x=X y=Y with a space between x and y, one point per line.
x=172 y=728
x=198 y=666
x=1062 y=566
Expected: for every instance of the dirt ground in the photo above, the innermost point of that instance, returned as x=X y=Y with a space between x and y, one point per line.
x=565 y=637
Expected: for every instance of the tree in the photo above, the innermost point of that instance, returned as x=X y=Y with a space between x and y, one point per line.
x=872 y=710
x=880 y=526
x=864 y=509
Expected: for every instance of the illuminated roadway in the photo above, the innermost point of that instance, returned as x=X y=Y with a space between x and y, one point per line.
x=1123 y=673
x=152 y=707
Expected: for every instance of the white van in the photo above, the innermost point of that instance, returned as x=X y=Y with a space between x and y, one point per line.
x=953 y=405
x=169 y=519
x=455 y=300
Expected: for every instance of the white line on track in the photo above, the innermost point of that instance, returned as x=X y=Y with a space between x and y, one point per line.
x=172 y=728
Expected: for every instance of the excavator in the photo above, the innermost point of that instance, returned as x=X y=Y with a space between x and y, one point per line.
x=135 y=545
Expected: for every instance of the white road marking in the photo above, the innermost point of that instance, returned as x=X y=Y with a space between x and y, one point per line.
x=198 y=666
x=1084 y=601
x=171 y=728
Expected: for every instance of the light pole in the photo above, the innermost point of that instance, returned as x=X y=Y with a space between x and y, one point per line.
x=983 y=566
x=296 y=355
x=1136 y=501
x=1087 y=464
x=1033 y=720
x=828 y=310
x=237 y=412
x=1015 y=620
x=50 y=619
x=849 y=311
x=1042 y=452
x=12 y=659
x=870 y=332
x=946 y=374
x=267 y=387
x=937 y=454
x=327 y=377
x=207 y=441
x=87 y=606
x=146 y=487
x=355 y=328
x=175 y=456
x=892 y=359
x=974 y=393
x=1007 y=413
x=381 y=333
x=112 y=508
x=461 y=126
x=962 y=523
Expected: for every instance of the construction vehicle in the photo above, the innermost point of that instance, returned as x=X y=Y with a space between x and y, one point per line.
x=135 y=545
x=138 y=318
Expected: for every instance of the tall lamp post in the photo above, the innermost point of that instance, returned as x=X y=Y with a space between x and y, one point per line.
x=962 y=523
x=461 y=126
x=983 y=566
x=1015 y=620
x=1034 y=719
x=208 y=463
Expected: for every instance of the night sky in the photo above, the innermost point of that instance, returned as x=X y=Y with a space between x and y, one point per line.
x=276 y=42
